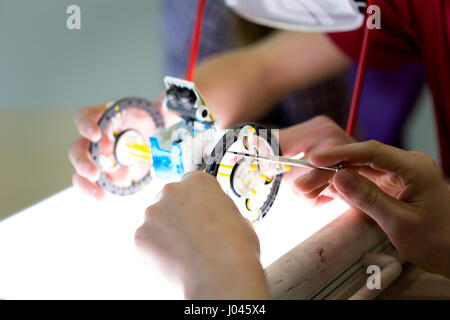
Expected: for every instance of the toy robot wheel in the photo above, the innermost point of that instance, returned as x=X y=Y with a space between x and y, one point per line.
x=235 y=172
x=114 y=114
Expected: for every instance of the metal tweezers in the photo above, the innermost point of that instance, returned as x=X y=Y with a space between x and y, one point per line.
x=288 y=161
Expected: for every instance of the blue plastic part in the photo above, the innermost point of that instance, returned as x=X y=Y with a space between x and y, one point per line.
x=168 y=164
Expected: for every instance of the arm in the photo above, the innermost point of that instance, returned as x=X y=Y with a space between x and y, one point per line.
x=243 y=84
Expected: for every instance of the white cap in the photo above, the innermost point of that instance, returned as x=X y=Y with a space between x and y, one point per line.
x=301 y=15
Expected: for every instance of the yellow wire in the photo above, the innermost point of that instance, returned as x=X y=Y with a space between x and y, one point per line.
x=138 y=147
x=223 y=174
x=226 y=166
x=147 y=158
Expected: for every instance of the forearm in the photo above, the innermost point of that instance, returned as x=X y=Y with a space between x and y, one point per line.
x=297 y=60
x=233 y=85
x=244 y=84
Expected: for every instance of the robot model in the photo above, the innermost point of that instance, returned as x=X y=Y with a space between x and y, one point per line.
x=245 y=160
x=130 y=154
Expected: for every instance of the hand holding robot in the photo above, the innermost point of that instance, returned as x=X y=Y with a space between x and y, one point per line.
x=135 y=147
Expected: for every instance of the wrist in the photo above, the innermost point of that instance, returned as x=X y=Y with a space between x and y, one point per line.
x=233 y=278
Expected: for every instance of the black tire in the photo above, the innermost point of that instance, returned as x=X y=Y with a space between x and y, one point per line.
x=228 y=139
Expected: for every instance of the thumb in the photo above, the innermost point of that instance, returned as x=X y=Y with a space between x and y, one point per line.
x=366 y=196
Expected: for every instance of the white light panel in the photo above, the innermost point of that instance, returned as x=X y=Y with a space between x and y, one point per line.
x=71 y=247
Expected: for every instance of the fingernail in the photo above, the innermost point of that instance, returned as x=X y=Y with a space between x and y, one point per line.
x=92 y=134
x=344 y=181
x=323 y=200
x=87 y=168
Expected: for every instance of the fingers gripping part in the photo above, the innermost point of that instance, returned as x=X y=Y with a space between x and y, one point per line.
x=105 y=121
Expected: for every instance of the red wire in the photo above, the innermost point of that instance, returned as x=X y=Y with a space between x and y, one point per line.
x=195 y=41
x=359 y=83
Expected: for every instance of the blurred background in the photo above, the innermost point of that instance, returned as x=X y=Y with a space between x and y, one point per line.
x=47 y=72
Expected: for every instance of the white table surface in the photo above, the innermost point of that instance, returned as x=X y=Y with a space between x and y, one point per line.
x=71 y=247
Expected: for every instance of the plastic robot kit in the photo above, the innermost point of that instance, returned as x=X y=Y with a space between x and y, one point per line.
x=136 y=147
x=129 y=159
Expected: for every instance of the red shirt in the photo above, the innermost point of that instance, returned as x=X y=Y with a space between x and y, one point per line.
x=411 y=31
